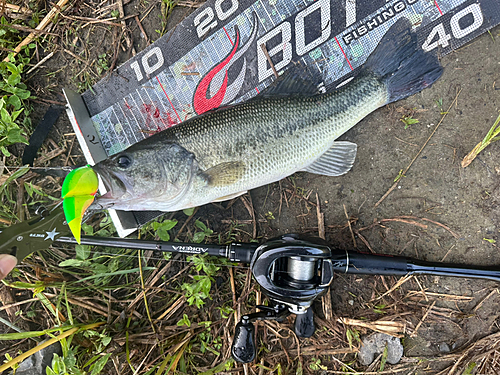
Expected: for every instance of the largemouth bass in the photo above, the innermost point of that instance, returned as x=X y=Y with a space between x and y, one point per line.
x=289 y=128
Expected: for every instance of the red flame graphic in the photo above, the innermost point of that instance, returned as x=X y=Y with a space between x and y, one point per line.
x=200 y=101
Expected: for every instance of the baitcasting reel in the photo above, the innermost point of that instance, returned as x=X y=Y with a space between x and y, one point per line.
x=292 y=271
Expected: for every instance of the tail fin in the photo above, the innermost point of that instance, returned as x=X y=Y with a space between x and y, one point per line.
x=401 y=64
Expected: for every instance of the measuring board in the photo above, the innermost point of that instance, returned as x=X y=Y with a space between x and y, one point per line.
x=220 y=55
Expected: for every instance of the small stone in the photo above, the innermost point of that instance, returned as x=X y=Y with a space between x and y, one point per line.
x=444 y=347
x=37 y=363
x=375 y=344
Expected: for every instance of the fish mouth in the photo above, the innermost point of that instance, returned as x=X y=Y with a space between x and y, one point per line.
x=114 y=185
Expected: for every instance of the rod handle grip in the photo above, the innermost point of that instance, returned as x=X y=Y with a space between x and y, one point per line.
x=369 y=264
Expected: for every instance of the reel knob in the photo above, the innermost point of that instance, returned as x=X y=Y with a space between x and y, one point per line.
x=304 y=324
x=243 y=348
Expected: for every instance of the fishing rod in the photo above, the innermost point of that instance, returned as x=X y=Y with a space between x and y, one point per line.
x=292 y=270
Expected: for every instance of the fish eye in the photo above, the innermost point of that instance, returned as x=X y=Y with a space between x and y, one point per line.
x=124 y=161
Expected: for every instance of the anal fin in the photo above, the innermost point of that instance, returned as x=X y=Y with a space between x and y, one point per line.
x=337 y=161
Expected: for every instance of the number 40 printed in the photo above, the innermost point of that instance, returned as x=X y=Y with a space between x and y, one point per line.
x=438 y=37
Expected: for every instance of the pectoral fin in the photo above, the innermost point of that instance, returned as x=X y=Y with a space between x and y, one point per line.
x=225 y=173
x=337 y=161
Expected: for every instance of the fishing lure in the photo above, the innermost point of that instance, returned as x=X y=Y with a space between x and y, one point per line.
x=78 y=192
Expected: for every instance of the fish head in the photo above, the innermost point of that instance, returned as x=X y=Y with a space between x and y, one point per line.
x=145 y=176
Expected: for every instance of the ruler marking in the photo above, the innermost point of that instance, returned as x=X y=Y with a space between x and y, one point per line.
x=107 y=126
x=122 y=136
x=344 y=53
x=412 y=7
x=177 y=92
x=104 y=137
x=188 y=94
x=287 y=12
x=437 y=6
x=168 y=99
x=265 y=10
x=136 y=123
x=215 y=51
x=111 y=125
x=128 y=120
x=166 y=80
x=146 y=111
x=203 y=50
x=148 y=114
x=224 y=28
x=162 y=101
x=139 y=127
x=155 y=119
x=187 y=85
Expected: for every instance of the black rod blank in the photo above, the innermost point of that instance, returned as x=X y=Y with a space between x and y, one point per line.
x=235 y=252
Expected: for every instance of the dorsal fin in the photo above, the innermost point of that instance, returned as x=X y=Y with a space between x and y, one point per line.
x=297 y=80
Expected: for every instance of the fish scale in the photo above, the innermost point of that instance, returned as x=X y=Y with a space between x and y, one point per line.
x=221 y=154
x=276 y=137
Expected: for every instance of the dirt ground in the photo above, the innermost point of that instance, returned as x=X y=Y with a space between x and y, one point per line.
x=439 y=210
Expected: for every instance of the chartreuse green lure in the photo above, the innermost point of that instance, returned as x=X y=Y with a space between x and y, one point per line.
x=78 y=190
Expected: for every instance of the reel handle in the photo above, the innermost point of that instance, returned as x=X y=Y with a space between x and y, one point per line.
x=243 y=348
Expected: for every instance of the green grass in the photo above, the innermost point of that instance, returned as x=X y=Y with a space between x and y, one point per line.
x=167 y=6
x=408 y=121
x=14 y=115
x=492 y=136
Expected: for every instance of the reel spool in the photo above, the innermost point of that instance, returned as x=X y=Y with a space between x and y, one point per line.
x=293 y=271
